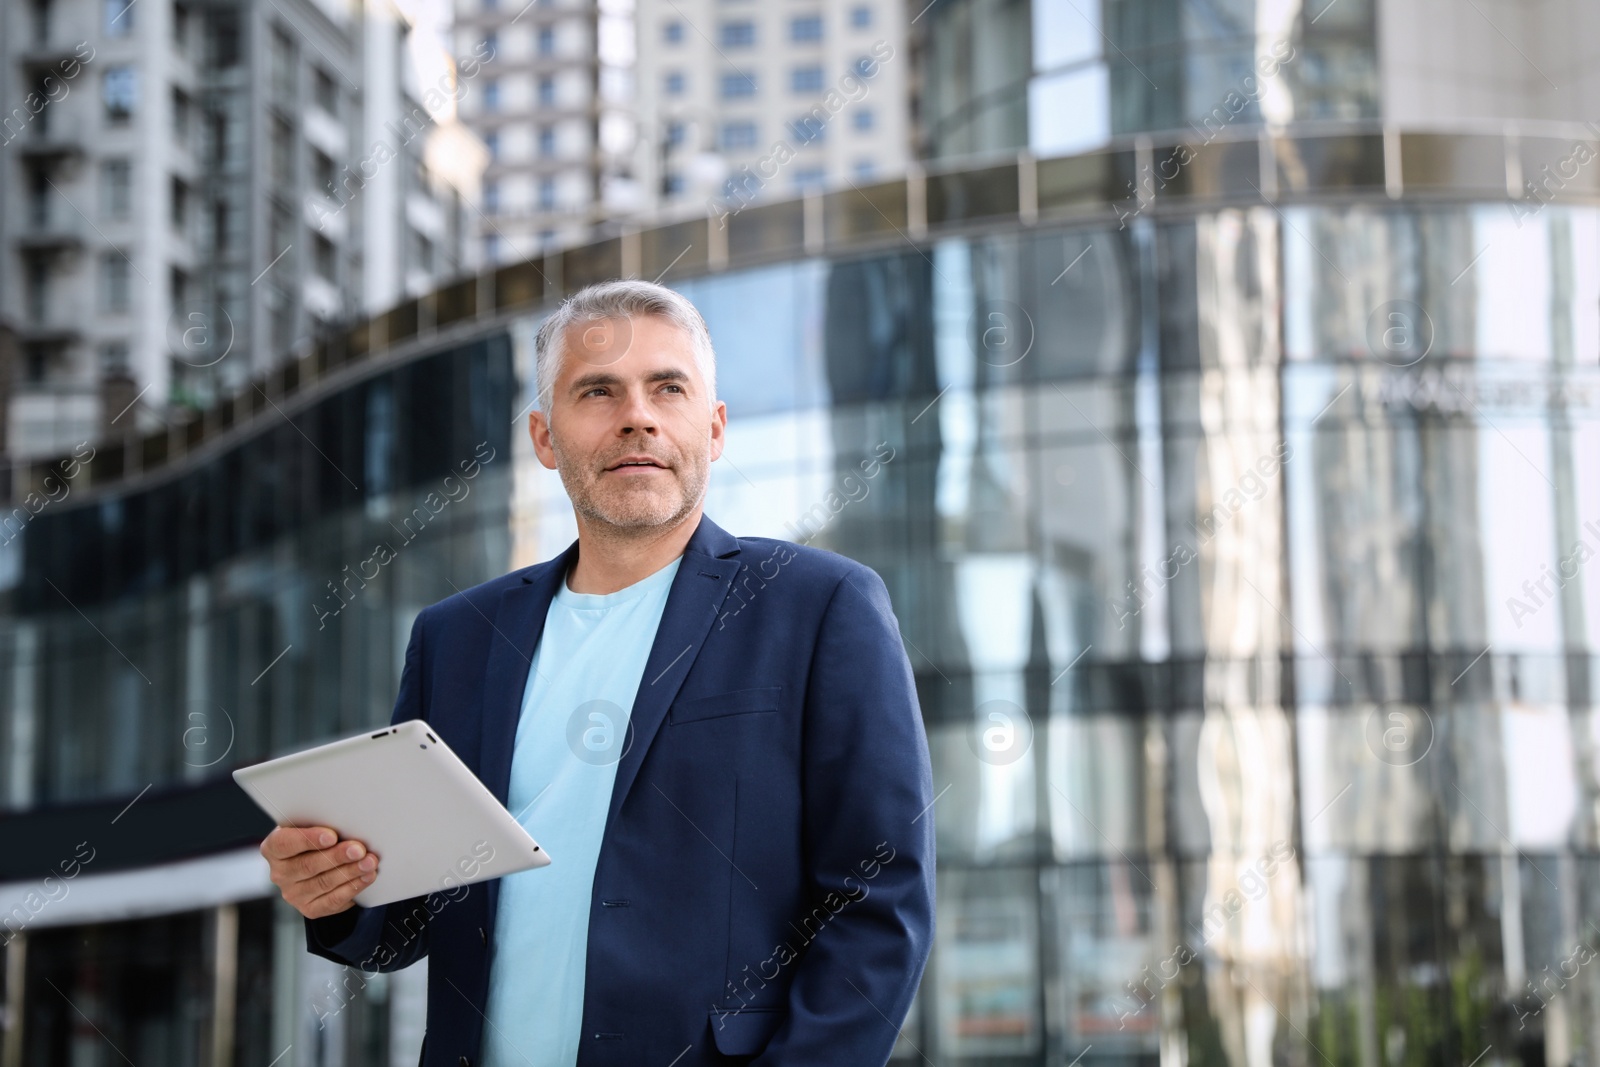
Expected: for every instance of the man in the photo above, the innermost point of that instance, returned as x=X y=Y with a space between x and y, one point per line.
x=716 y=739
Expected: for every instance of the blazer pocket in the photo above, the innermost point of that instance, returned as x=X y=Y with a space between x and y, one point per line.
x=746 y=1031
x=718 y=705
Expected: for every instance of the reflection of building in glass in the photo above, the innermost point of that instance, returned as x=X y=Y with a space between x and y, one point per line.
x=1241 y=530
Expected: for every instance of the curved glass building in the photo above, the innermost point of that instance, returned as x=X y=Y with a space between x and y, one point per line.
x=1239 y=498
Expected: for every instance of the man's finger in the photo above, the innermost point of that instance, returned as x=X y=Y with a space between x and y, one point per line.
x=288 y=841
x=338 y=898
x=334 y=877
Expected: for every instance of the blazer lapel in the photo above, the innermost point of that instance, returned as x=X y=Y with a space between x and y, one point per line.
x=518 y=624
x=698 y=590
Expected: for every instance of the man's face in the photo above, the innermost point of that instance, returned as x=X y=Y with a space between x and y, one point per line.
x=629 y=428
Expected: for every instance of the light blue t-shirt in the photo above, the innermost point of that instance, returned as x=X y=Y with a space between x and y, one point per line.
x=571 y=733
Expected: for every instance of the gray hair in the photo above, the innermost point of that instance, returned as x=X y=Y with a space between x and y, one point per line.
x=620 y=298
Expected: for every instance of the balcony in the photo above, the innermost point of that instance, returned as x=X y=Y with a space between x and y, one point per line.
x=50 y=317
x=56 y=52
x=40 y=145
x=49 y=418
x=59 y=229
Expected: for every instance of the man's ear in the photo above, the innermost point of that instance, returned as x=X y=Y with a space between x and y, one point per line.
x=719 y=429
x=539 y=431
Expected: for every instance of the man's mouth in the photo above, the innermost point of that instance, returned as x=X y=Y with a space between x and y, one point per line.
x=636 y=463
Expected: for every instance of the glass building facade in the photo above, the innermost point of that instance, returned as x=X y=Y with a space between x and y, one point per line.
x=1239 y=526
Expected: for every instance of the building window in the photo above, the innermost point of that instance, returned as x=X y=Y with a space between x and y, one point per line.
x=547 y=40
x=809 y=178
x=39 y=198
x=280 y=312
x=182 y=116
x=547 y=91
x=862 y=118
x=491 y=5
x=119 y=91
x=114 y=361
x=672 y=32
x=114 y=282
x=739 y=34
x=805 y=28
x=866 y=66
x=491 y=248
x=116 y=189
x=672 y=185
x=808 y=129
x=491 y=44
x=323 y=177
x=222 y=38
x=861 y=17
x=282 y=149
x=325 y=91
x=180 y=206
x=491 y=141
x=220 y=149
x=282 y=60
x=421 y=252
x=491 y=197
x=119 y=17
x=675 y=133
x=547 y=194
x=738 y=135
x=221 y=222
x=324 y=258
x=737 y=85
x=38 y=286
x=491 y=96
x=280 y=234
x=547 y=141
x=865 y=168
x=672 y=84
x=806 y=79
x=179 y=288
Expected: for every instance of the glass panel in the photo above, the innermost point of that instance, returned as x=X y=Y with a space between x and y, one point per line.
x=766 y=232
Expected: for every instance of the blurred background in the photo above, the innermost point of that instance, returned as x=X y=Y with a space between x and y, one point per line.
x=1231 y=373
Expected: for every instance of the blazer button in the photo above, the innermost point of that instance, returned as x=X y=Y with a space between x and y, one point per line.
x=464 y=1062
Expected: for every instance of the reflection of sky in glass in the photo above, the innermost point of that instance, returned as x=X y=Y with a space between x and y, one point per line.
x=1512 y=285
x=1069 y=104
x=994 y=596
x=1541 y=792
x=1517 y=511
x=952 y=339
x=1586 y=492
x=766 y=325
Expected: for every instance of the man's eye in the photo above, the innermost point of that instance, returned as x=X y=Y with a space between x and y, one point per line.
x=679 y=388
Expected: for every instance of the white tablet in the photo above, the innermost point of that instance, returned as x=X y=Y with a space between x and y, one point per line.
x=402 y=793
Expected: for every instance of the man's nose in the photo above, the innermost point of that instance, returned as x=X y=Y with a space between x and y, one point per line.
x=637 y=414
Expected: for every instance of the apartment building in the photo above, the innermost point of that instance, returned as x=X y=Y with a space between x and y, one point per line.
x=193 y=189
x=739 y=101
x=551 y=105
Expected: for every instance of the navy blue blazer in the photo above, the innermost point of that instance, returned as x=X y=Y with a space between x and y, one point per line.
x=765 y=886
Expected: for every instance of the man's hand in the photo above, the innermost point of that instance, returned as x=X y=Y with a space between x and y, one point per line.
x=315 y=871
